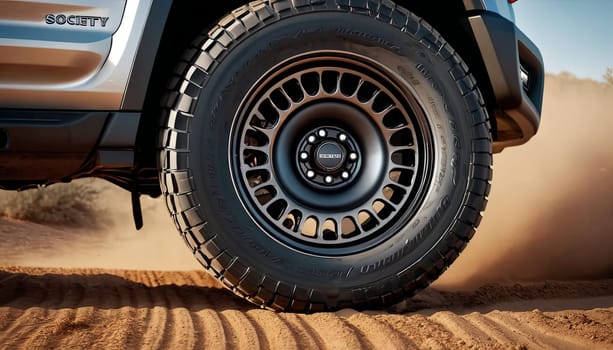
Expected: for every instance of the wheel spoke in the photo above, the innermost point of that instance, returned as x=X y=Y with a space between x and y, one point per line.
x=386 y=110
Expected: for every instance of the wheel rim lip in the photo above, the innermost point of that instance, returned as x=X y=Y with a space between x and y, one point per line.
x=423 y=142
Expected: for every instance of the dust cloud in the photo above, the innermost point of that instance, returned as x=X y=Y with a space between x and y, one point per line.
x=157 y=245
x=113 y=243
x=550 y=212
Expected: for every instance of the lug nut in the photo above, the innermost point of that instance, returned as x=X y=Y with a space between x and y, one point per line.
x=310 y=174
x=342 y=137
x=329 y=179
x=312 y=139
x=353 y=156
x=304 y=156
x=345 y=175
x=322 y=133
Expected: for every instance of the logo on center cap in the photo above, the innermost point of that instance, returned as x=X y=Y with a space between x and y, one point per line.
x=330 y=156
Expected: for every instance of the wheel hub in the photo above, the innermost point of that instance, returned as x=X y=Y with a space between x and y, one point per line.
x=328 y=157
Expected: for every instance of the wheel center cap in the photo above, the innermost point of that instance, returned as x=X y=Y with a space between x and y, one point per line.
x=330 y=156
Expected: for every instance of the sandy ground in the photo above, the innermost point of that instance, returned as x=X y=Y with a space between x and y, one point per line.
x=119 y=309
x=538 y=273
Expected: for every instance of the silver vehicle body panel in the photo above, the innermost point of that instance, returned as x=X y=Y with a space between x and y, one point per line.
x=68 y=54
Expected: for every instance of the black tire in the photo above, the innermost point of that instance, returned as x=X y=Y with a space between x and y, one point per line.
x=414 y=195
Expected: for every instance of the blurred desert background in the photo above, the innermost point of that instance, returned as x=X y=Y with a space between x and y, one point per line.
x=537 y=274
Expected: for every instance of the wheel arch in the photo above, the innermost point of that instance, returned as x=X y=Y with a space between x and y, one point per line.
x=179 y=31
x=453 y=25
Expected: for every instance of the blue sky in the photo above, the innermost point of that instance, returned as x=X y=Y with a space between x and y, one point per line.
x=573 y=35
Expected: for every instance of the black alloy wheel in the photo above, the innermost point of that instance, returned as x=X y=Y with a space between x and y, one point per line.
x=331 y=153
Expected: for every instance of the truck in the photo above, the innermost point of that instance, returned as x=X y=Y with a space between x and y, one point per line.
x=313 y=154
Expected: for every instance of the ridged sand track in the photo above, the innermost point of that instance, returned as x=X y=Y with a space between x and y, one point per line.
x=61 y=309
